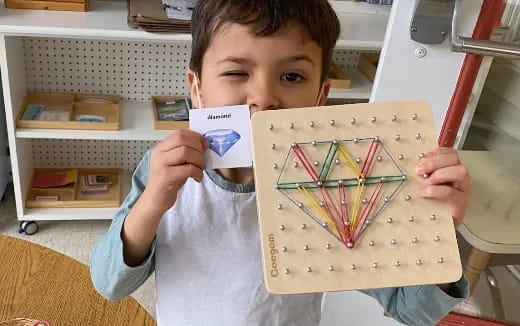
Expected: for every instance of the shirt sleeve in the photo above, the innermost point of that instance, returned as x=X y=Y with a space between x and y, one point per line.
x=111 y=276
x=422 y=305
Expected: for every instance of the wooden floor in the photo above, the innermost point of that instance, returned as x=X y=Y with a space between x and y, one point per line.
x=39 y=283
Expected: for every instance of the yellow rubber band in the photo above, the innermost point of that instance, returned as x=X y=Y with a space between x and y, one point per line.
x=317 y=206
x=357 y=204
x=349 y=162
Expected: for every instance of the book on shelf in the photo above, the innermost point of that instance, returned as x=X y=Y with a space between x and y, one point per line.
x=55 y=179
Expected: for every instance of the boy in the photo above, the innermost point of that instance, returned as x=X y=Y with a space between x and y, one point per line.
x=198 y=229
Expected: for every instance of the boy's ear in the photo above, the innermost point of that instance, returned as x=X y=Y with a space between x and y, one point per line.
x=325 y=93
x=190 y=75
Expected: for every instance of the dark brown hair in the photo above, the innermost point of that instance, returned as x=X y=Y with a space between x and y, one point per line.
x=266 y=17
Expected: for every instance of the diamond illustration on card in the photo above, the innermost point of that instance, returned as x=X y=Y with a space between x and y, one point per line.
x=228 y=132
x=221 y=140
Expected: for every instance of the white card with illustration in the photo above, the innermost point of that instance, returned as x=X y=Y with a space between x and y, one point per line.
x=228 y=131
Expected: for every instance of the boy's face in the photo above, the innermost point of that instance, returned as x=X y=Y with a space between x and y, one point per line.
x=279 y=71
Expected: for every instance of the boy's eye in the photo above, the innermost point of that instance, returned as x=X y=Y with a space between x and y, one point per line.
x=292 y=77
x=235 y=73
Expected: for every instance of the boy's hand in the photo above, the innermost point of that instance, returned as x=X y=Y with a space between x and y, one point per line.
x=447 y=181
x=174 y=160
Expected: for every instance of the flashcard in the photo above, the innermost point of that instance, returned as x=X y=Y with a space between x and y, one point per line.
x=228 y=131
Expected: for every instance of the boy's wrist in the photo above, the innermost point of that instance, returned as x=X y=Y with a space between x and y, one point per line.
x=152 y=204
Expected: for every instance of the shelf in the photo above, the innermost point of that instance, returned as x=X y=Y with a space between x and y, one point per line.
x=361 y=87
x=56 y=214
x=69 y=214
x=363 y=25
x=136 y=123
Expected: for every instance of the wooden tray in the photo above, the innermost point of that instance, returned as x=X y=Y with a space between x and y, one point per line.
x=74 y=104
x=337 y=78
x=368 y=64
x=166 y=125
x=66 y=5
x=71 y=195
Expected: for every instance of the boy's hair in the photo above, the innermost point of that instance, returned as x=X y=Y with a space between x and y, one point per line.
x=266 y=17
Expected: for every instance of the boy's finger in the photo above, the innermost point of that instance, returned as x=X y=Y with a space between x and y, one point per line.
x=455 y=198
x=439 y=192
x=433 y=163
x=182 y=172
x=456 y=174
x=440 y=151
x=183 y=138
x=184 y=155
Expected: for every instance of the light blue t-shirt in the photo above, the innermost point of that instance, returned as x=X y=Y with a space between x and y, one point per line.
x=207 y=259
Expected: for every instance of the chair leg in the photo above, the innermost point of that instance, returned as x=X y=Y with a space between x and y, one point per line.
x=495 y=294
x=477 y=262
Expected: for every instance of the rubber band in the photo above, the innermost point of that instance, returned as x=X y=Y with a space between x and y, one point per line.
x=344 y=207
x=317 y=206
x=349 y=162
x=329 y=202
x=367 y=210
x=305 y=162
x=349 y=183
x=326 y=168
x=357 y=204
x=369 y=159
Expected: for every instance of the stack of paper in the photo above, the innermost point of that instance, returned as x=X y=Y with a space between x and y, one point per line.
x=95 y=183
x=161 y=16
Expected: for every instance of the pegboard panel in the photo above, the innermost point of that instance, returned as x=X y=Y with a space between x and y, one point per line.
x=131 y=69
x=346 y=58
x=58 y=153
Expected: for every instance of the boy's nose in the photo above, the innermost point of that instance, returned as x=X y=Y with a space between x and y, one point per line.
x=263 y=96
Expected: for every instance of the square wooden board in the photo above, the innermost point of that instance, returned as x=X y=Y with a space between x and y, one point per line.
x=319 y=269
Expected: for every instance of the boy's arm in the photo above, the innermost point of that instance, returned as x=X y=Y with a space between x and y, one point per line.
x=422 y=305
x=111 y=276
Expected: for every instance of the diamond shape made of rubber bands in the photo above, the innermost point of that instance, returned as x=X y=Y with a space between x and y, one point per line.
x=343 y=185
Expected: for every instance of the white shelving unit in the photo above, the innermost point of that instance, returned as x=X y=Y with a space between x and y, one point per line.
x=363 y=25
x=95 y=52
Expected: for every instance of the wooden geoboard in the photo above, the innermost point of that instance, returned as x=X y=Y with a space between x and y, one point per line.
x=336 y=192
